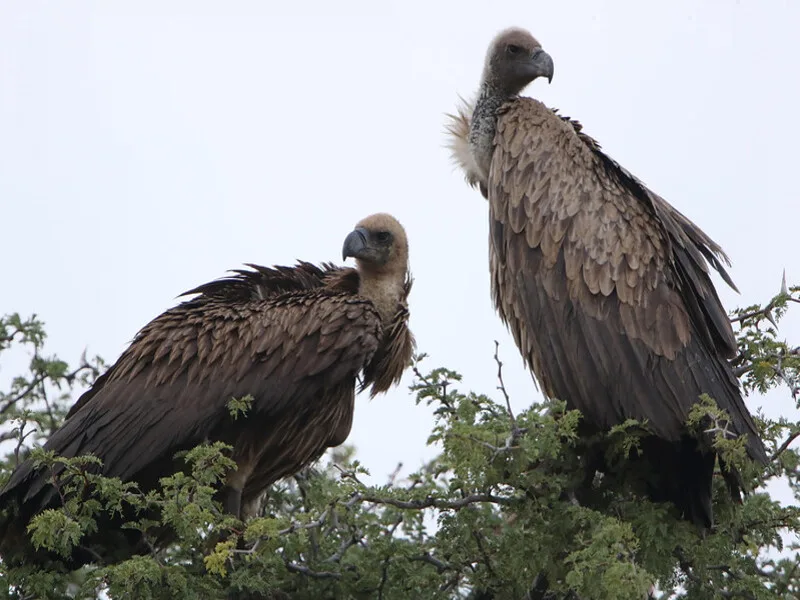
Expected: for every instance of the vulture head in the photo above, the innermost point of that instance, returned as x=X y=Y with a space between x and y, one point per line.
x=514 y=60
x=379 y=245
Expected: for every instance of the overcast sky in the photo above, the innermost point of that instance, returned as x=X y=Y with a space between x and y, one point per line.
x=148 y=146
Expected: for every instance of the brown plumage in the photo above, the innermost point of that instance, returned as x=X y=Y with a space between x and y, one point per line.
x=294 y=338
x=604 y=285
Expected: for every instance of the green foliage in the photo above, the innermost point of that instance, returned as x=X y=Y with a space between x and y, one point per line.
x=240 y=406
x=495 y=511
x=37 y=401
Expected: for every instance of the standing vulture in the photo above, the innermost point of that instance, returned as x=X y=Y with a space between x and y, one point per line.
x=604 y=286
x=293 y=338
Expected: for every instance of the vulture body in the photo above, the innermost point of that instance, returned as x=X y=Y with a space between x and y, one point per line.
x=604 y=286
x=293 y=338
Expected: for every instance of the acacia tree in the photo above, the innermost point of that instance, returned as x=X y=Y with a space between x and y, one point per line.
x=494 y=515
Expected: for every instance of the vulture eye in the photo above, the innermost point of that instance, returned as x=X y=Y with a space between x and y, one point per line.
x=513 y=49
x=383 y=236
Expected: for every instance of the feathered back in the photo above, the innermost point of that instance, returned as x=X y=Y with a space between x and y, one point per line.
x=265 y=282
x=293 y=338
x=606 y=289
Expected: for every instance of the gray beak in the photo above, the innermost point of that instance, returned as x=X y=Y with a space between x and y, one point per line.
x=355 y=244
x=542 y=65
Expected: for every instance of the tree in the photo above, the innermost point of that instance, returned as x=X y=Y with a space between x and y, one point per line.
x=495 y=515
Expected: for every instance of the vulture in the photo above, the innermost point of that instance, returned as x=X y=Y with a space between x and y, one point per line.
x=604 y=286
x=296 y=339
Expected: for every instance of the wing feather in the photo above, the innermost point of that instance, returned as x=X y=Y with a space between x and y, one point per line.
x=164 y=394
x=604 y=286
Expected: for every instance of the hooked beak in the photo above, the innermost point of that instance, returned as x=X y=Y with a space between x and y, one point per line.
x=541 y=65
x=355 y=244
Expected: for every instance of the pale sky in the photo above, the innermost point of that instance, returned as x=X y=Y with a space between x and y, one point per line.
x=147 y=147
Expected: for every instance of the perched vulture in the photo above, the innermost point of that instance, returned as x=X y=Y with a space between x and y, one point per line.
x=293 y=338
x=604 y=286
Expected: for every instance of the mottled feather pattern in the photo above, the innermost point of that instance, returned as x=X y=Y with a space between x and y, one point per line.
x=604 y=286
x=292 y=337
x=588 y=263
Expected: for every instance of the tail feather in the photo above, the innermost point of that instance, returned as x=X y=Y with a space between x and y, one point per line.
x=681 y=473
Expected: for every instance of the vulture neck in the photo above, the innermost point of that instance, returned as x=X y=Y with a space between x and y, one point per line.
x=484 y=124
x=384 y=288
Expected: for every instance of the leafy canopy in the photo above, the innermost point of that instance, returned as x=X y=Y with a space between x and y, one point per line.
x=493 y=515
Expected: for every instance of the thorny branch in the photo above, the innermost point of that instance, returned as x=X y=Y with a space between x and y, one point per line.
x=778 y=369
x=766 y=311
x=427 y=383
x=743 y=363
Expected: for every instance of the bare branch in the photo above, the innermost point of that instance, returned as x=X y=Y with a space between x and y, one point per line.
x=295 y=568
x=441 y=566
x=502 y=388
x=431 y=502
x=784 y=446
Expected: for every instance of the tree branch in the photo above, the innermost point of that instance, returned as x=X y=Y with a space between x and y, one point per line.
x=785 y=445
x=431 y=502
x=502 y=388
x=295 y=568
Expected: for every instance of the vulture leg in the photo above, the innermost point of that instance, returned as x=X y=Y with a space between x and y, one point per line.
x=232 y=500
x=681 y=473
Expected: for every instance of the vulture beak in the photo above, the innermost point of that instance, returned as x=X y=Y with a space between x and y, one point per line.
x=355 y=244
x=541 y=65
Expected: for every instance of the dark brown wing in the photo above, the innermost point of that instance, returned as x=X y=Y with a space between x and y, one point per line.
x=170 y=389
x=267 y=282
x=692 y=249
x=312 y=431
x=604 y=286
x=259 y=283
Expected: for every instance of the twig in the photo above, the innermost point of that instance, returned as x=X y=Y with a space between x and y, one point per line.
x=317 y=523
x=22 y=435
x=687 y=567
x=420 y=376
x=765 y=312
x=384 y=575
x=9 y=435
x=428 y=383
x=441 y=566
x=349 y=475
x=295 y=568
x=10 y=338
x=393 y=475
x=311 y=525
x=785 y=445
x=502 y=388
x=486 y=559
x=48 y=406
x=39 y=379
x=251 y=550
x=346 y=544
x=431 y=502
